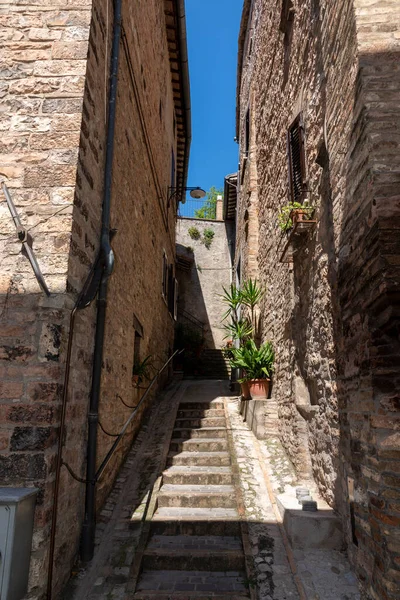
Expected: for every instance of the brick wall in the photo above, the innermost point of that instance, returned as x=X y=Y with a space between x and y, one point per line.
x=331 y=313
x=54 y=83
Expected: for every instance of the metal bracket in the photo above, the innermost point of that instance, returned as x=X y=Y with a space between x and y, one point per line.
x=26 y=240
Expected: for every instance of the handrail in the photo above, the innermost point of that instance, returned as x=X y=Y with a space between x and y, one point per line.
x=109 y=454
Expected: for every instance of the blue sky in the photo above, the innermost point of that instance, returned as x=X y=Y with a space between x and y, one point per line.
x=212 y=31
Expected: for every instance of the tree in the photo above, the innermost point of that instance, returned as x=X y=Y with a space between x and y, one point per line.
x=209 y=209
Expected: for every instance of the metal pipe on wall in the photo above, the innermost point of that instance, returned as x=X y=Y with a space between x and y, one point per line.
x=107 y=257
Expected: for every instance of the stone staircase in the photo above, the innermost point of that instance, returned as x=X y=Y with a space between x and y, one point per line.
x=194 y=550
x=213 y=364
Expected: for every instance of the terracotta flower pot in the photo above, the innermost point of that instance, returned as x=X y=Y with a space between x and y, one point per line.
x=259 y=388
x=245 y=390
x=300 y=216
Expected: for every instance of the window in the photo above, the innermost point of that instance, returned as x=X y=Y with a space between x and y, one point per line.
x=171 y=289
x=137 y=341
x=172 y=168
x=287 y=16
x=176 y=295
x=165 y=277
x=297 y=161
x=136 y=349
x=247 y=133
x=286 y=26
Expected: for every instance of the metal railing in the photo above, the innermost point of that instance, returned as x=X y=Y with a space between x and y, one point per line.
x=109 y=454
x=197 y=209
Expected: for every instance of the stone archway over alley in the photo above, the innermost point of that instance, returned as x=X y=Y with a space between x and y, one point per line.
x=195 y=514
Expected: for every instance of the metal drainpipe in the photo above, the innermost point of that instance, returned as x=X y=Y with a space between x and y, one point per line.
x=184 y=66
x=89 y=525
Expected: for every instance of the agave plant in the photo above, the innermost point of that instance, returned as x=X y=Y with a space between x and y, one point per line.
x=256 y=363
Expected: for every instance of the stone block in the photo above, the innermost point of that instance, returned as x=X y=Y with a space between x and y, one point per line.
x=32 y=438
x=321 y=529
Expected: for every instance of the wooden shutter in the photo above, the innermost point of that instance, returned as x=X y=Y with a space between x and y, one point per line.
x=165 y=276
x=297 y=161
x=171 y=289
x=176 y=295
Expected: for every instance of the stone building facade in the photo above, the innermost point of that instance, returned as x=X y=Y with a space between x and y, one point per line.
x=202 y=273
x=54 y=82
x=329 y=73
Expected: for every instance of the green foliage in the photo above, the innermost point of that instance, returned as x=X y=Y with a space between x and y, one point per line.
x=284 y=220
x=194 y=233
x=208 y=236
x=233 y=298
x=240 y=330
x=209 y=209
x=256 y=363
x=141 y=370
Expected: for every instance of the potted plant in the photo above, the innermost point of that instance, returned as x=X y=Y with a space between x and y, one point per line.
x=293 y=213
x=257 y=365
x=140 y=371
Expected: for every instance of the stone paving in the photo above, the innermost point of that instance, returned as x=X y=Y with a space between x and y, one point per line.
x=323 y=575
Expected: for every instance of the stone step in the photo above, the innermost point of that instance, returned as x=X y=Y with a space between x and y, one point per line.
x=201 y=585
x=192 y=527
x=199 y=413
x=201 y=459
x=151 y=595
x=184 y=475
x=204 y=432
x=220 y=582
x=201 y=405
x=172 y=513
x=194 y=559
x=199 y=445
x=200 y=423
x=195 y=542
x=197 y=496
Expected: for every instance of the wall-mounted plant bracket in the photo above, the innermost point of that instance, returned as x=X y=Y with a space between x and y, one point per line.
x=26 y=240
x=300 y=227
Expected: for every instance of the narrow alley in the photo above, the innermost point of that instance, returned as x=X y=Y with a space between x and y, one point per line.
x=201 y=520
x=199 y=299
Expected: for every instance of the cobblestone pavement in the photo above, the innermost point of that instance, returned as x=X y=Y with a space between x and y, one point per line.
x=324 y=574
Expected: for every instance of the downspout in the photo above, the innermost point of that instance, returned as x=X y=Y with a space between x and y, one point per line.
x=107 y=257
x=184 y=66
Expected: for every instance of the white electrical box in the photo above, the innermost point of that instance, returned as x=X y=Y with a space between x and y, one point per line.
x=17 y=511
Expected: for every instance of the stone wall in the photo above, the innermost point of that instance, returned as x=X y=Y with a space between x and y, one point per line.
x=199 y=288
x=54 y=87
x=330 y=312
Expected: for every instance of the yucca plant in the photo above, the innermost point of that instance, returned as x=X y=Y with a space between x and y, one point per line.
x=233 y=298
x=251 y=294
x=239 y=330
x=256 y=363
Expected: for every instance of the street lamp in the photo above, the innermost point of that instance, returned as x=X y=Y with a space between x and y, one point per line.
x=176 y=193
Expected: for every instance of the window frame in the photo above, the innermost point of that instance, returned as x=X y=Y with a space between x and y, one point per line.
x=176 y=295
x=301 y=167
x=164 y=278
